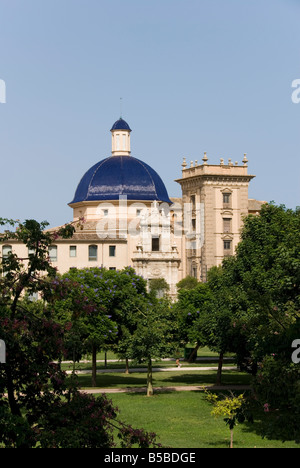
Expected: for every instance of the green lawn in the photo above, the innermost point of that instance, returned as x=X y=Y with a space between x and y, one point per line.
x=183 y=420
x=180 y=419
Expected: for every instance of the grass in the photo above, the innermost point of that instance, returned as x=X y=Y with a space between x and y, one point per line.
x=183 y=420
x=180 y=419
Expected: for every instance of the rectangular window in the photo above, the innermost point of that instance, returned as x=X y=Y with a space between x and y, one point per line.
x=193 y=201
x=73 y=251
x=124 y=142
x=226 y=225
x=112 y=250
x=6 y=250
x=226 y=198
x=227 y=245
x=118 y=141
x=155 y=244
x=112 y=268
x=53 y=253
x=93 y=253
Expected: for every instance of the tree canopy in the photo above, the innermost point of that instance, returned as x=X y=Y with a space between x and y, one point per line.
x=39 y=405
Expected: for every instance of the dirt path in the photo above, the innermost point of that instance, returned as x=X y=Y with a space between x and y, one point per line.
x=187 y=388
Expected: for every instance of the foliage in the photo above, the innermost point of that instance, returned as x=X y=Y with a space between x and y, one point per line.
x=266 y=273
x=277 y=388
x=189 y=309
x=39 y=405
x=189 y=282
x=89 y=422
x=267 y=268
x=158 y=287
x=101 y=307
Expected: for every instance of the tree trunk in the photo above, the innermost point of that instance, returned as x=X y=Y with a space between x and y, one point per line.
x=127 y=366
x=220 y=365
x=193 y=353
x=14 y=407
x=94 y=366
x=231 y=438
x=149 y=379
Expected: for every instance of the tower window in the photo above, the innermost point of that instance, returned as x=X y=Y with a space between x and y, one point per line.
x=93 y=253
x=227 y=247
x=226 y=198
x=193 y=201
x=155 y=244
x=226 y=225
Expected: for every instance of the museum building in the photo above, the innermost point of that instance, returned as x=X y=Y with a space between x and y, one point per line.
x=123 y=216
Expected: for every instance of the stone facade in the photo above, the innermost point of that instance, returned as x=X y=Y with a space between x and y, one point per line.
x=216 y=197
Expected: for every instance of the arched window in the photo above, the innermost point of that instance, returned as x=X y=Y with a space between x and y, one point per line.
x=93 y=253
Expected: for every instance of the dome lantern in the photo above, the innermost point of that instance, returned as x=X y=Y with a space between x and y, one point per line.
x=120 y=138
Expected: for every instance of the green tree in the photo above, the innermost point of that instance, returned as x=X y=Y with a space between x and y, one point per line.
x=158 y=287
x=189 y=310
x=39 y=406
x=232 y=408
x=220 y=316
x=154 y=335
x=101 y=306
x=266 y=268
x=189 y=282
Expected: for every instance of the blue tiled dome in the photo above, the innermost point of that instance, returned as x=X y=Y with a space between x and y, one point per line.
x=120 y=125
x=121 y=175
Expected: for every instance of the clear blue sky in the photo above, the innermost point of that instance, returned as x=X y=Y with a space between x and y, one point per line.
x=194 y=75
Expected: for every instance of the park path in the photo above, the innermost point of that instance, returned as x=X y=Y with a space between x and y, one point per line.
x=154 y=369
x=181 y=388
